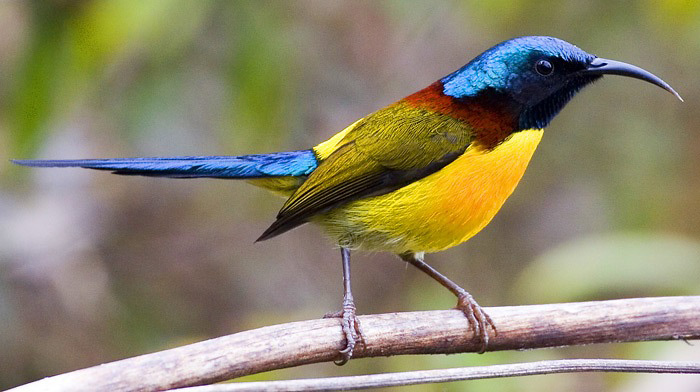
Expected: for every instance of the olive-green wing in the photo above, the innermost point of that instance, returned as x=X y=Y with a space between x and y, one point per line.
x=386 y=151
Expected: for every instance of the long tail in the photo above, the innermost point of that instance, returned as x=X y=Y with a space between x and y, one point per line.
x=291 y=163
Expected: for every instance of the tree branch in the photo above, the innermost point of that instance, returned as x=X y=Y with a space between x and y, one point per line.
x=433 y=332
x=456 y=374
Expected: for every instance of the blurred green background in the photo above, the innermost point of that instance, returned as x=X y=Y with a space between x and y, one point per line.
x=95 y=267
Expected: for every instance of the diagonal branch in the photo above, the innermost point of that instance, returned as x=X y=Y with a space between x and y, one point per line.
x=383 y=380
x=433 y=332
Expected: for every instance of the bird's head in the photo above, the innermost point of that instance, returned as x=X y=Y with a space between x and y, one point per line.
x=535 y=77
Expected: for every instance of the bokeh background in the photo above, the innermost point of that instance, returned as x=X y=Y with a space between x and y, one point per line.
x=96 y=267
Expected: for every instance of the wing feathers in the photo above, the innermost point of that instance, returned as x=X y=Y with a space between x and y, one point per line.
x=351 y=172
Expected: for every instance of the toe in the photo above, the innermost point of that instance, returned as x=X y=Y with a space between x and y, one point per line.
x=353 y=333
x=477 y=318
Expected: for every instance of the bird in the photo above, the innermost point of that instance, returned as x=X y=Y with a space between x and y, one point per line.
x=418 y=176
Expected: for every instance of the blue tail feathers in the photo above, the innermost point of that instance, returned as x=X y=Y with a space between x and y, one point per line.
x=290 y=163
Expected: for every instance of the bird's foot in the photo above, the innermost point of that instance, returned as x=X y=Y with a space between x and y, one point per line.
x=478 y=319
x=351 y=329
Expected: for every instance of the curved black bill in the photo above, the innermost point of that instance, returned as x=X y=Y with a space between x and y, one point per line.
x=600 y=66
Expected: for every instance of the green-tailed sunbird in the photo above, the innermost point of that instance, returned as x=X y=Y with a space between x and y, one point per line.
x=421 y=175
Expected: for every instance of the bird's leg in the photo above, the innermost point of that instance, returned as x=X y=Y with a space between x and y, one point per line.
x=349 y=321
x=465 y=302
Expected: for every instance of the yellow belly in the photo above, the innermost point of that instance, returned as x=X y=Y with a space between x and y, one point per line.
x=441 y=210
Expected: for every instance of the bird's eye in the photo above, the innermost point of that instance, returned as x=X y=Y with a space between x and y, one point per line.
x=544 y=67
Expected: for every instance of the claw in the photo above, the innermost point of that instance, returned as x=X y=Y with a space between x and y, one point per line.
x=477 y=318
x=351 y=329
